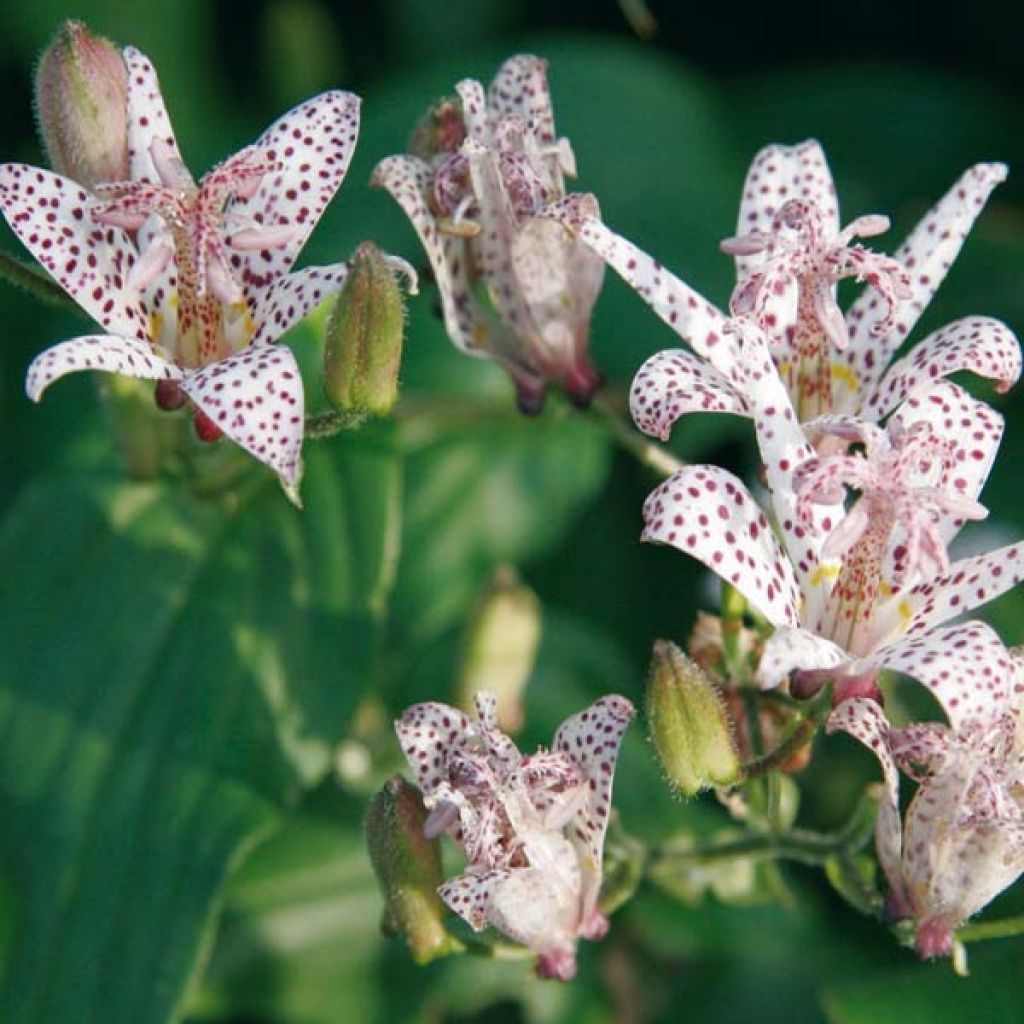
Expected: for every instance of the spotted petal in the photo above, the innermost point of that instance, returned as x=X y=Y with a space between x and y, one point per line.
x=408 y=180
x=255 y=397
x=148 y=121
x=311 y=146
x=676 y=382
x=863 y=719
x=470 y=895
x=106 y=352
x=965 y=666
x=520 y=89
x=50 y=214
x=428 y=734
x=287 y=301
x=927 y=253
x=788 y=649
x=591 y=738
x=777 y=175
x=707 y=513
x=979 y=344
x=687 y=312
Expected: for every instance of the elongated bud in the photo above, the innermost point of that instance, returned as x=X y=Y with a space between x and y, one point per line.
x=688 y=723
x=408 y=869
x=81 y=96
x=364 y=336
x=500 y=647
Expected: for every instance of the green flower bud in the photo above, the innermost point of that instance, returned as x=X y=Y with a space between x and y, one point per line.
x=688 y=723
x=81 y=94
x=500 y=647
x=364 y=336
x=408 y=869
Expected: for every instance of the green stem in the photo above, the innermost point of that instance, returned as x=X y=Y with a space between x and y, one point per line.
x=801 y=734
x=37 y=284
x=1005 y=929
x=605 y=414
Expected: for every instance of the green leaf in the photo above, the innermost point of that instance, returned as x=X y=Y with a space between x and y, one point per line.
x=176 y=673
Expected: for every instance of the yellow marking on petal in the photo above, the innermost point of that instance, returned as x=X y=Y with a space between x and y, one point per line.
x=479 y=335
x=885 y=588
x=784 y=367
x=905 y=615
x=156 y=327
x=845 y=375
x=822 y=573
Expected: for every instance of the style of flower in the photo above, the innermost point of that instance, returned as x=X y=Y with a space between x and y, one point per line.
x=845 y=591
x=488 y=202
x=962 y=839
x=191 y=281
x=789 y=253
x=532 y=826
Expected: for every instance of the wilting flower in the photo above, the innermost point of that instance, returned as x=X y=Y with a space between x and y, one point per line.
x=191 y=280
x=844 y=587
x=532 y=826
x=789 y=253
x=487 y=199
x=962 y=840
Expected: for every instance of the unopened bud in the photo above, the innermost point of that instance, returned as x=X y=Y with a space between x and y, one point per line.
x=364 y=336
x=408 y=869
x=688 y=723
x=500 y=647
x=81 y=96
x=441 y=130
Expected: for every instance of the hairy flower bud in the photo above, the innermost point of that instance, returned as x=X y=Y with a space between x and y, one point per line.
x=688 y=723
x=81 y=94
x=500 y=647
x=364 y=336
x=408 y=869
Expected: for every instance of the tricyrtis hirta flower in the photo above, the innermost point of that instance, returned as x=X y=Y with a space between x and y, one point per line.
x=962 y=840
x=191 y=280
x=790 y=252
x=532 y=826
x=844 y=587
x=487 y=198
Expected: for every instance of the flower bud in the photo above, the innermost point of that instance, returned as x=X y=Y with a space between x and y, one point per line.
x=688 y=723
x=500 y=647
x=408 y=870
x=364 y=337
x=441 y=130
x=81 y=94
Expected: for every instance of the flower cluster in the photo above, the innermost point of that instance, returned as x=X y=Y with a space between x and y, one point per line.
x=854 y=584
x=532 y=827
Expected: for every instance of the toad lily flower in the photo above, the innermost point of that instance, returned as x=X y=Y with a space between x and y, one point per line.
x=191 y=280
x=844 y=587
x=962 y=841
x=532 y=826
x=490 y=204
x=789 y=253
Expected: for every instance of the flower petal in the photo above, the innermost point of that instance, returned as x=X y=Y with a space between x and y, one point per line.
x=50 y=214
x=255 y=397
x=928 y=252
x=976 y=343
x=470 y=895
x=106 y=352
x=864 y=720
x=474 y=109
x=520 y=89
x=788 y=649
x=408 y=179
x=287 y=301
x=676 y=382
x=970 y=583
x=427 y=734
x=966 y=667
x=147 y=119
x=687 y=312
x=591 y=738
x=777 y=175
x=531 y=908
x=312 y=146
x=708 y=513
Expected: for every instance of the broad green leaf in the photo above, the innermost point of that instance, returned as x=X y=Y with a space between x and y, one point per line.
x=175 y=672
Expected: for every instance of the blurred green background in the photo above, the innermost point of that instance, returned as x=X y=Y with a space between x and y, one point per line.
x=195 y=691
